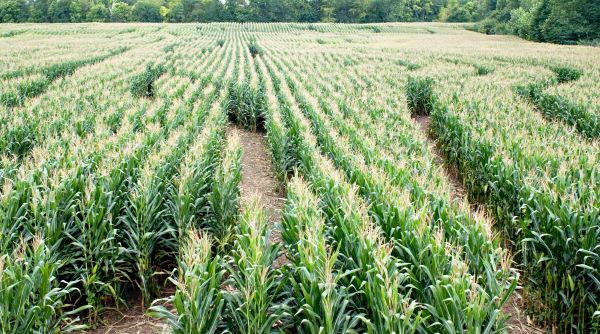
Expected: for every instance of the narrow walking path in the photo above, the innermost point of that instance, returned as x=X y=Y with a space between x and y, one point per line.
x=258 y=179
x=459 y=191
x=132 y=319
x=518 y=323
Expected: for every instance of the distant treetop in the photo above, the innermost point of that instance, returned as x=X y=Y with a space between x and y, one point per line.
x=557 y=21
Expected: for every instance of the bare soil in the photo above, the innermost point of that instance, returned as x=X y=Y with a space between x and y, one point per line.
x=459 y=192
x=258 y=179
x=519 y=322
x=131 y=319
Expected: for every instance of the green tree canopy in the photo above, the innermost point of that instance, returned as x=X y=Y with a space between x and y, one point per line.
x=98 y=13
x=13 y=11
x=557 y=21
x=78 y=10
x=60 y=10
x=146 y=11
x=121 y=12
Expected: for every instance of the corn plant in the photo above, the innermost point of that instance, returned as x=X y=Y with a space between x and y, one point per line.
x=225 y=194
x=36 y=86
x=347 y=222
x=96 y=198
x=566 y=74
x=149 y=227
x=59 y=70
x=198 y=301
x=142 y=84
x=14 y=214
x=483 y=70
x=322 y=304
x=276 y=132
x=252 y=303
x=94 y=243
x=424 y=271
x=153 y=222
x=11 y=33
x=419 y=96
x=32 y=298
x=246 y=105
x=188 y=200
x=409 y=65
x=146 y=229
x=23 y=90
x=19 y=140
x=395 y=218
x=556 y=107
x=254 y=49
x=385 y=290
x=542 y=227
x=96 y=253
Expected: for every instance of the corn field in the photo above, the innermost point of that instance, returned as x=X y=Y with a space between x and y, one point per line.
x=431 y=175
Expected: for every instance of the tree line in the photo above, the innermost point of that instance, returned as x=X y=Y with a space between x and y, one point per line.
x=558 y=21
x=554 y=21
x=220 y=10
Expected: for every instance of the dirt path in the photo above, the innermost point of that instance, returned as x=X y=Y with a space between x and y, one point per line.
x=132 y=320
x=518 y=322
x=259 y=180
x=458 y=189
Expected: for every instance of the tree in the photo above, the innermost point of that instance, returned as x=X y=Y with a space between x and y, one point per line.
x=520 y=22
x=273 y=10
x=423 y=10
x=349 y=10
x=566 y=22
x=60 y=11
x=98 y=13
x=78 y=10
x=234 y=10
x=558 y=21
x=146 y=11
x=309 y=10
x=121 y=12
x=38 y=11
x=540 y=16
x=379 y=11
x=456 y=11
x=178 y=12
x=12 y=11
x=213 y=11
